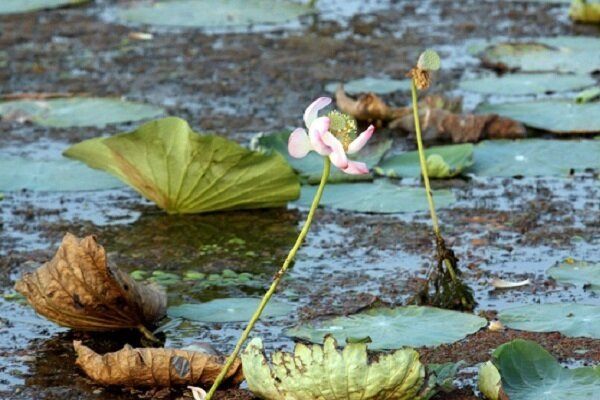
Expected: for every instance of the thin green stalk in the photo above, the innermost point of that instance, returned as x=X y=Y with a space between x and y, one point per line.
x=423 y=161
x=312 y=3
x=313 y=208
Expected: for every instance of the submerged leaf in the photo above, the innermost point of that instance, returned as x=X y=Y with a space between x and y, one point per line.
x=557 y=116
x=155 y=367
x=78 y=111
x=392 y=328
x=560 y=54
x=372 y=85
x=579 y=273
x=535 y=157
x=323 y=372
x=21 y=6
x=212 y=13
x=228 y=310
x=377 y=197
x=522 y=84
x=184 y=172
x=457 y=158
x=531 y=373
x=575 y=320
x=78 y=289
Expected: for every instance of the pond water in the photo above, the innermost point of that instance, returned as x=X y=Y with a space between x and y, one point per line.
x=237 y=83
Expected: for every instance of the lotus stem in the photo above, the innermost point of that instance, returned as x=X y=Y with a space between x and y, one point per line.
x=423 y=162
x=278 y=276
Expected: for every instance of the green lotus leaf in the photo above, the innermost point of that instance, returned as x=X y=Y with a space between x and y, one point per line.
x=578 y=273
x=78 y=111
x=310 y=167
x=21 y=6
x=378 y=197
x=587 y=11
x=212 y=13
x=558 y=116
x=393 y=328
x=228 y=310
x=522 y=84
x=490 y=382
x=451 y=161
x=62 y=175
x=371 y=85
x=570 y=319
x=535 y=157
x=184 y=172
x=559 y=54
x=323 y=372
x=529 y=372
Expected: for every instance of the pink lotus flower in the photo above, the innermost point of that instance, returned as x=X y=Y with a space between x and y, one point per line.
x=332 y=136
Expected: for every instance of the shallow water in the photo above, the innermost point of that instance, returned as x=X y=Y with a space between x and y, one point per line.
x=237 y=84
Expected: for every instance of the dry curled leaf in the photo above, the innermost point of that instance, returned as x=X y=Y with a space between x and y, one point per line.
x=154 y=367
x=78 y=289
x=504 y=284
x=461 y=128
x=440 y=117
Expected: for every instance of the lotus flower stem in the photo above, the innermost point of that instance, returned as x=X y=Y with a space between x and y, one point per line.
x=423 y=162
x=278 y=276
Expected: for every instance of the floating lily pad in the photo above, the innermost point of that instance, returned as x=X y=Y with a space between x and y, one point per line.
x=522 y=84
x=212 y=13
x=457 y=157
x=529 y=372
x=184 y=172
x=393 y=328
x=78 y=111
x=377 y=197
x=228 y=310
x=535 y=157
x=368 y=84
x=62 y=175
x=570 y=319
x=22 y=6
x=559 y=116
x=310 y=167
x=578 y=273
x=560 y=54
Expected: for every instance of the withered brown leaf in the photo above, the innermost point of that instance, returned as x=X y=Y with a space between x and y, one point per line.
x=156 y=367
x=79 y=290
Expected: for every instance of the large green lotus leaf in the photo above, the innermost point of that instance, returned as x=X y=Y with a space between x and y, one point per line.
x=375 y=85
x=529 y=372
x=457 y=157
x=522 y=84
x=310 y=167
x=578 y=273
x=558 y=116
x=378 y=197
x=184 y=172
x=17 y=173
x=535 y=157
x=79 y=111
x=392 y=328
x=559 y=54
x=212 y=13
x=570 y=319
x=21 y=6
x=228 y=310
x=323 y=372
